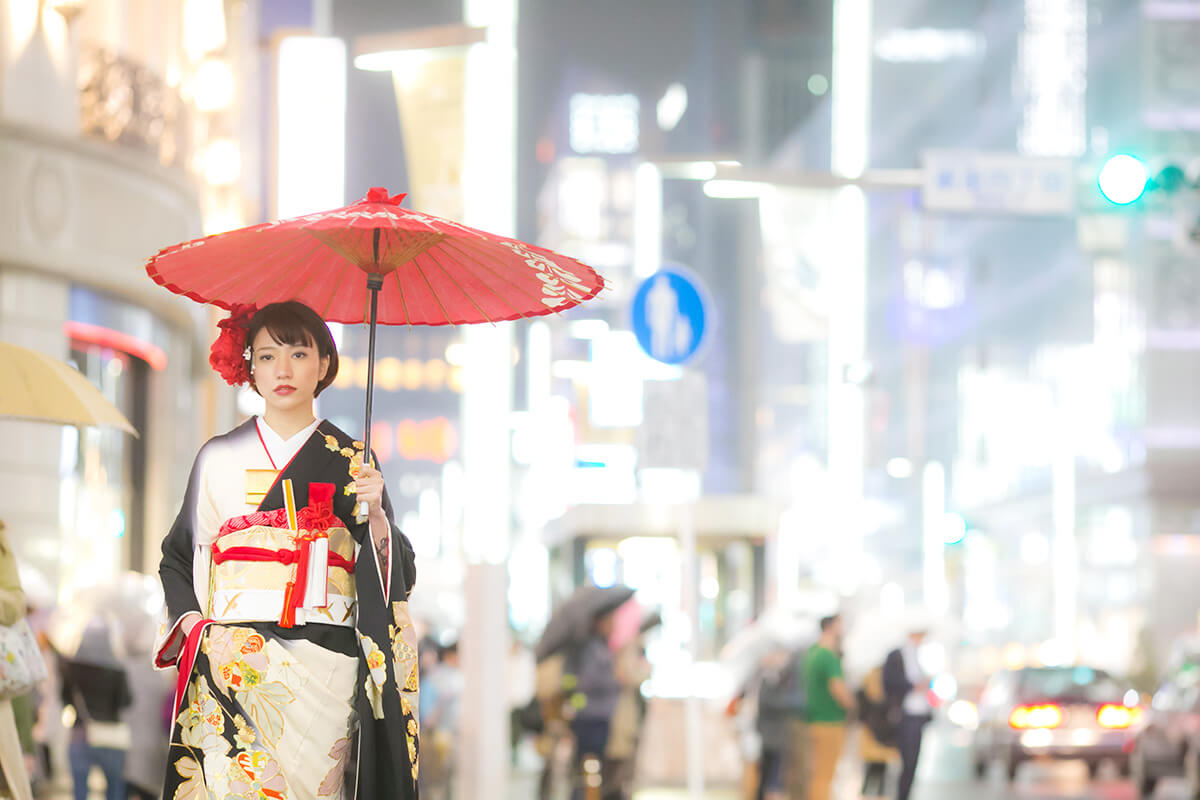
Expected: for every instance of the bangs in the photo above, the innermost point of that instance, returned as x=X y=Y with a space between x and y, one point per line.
x=287 y=327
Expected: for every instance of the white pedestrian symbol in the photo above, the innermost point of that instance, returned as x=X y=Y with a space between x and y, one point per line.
x=670 y=330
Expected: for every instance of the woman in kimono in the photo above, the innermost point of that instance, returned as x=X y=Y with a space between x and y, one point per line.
x=288 y=611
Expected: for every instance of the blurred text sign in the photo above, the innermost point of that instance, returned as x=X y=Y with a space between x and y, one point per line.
x=674 y=431
x=973 y=181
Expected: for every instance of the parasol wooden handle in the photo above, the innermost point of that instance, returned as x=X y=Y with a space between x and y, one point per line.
x=374 y=284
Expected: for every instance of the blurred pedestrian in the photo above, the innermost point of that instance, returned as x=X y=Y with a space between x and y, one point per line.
x=907 y=687
x=827 y=703
x=288 y=604
x=96 y=685
x=592 y=702
x=146 y=760
x=780 y=700
x=632 y=670
x=12 y=610
x=442 y=723
x=523 y=711
x=552 y=698
x=877 y=734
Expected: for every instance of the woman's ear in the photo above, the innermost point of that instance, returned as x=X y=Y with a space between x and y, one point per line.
x=324 y=368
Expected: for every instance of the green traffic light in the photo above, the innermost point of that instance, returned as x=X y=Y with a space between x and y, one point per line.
x=954 y=528
x=1122 y=179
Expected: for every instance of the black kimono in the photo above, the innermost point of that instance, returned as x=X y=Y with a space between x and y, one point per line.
x=305 y=641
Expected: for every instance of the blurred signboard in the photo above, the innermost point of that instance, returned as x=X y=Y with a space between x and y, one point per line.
x=1001 y=183
x=1170 y=96
x=674 y=429
x=672 y=315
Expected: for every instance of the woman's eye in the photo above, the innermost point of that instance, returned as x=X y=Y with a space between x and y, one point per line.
x=300 y=354
x=265 y=357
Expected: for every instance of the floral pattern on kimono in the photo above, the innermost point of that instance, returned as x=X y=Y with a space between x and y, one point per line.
x=249 y=670
x=227 y=738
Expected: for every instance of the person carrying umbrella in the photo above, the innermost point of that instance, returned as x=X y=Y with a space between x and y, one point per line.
x=289 y=620
x=574 y=656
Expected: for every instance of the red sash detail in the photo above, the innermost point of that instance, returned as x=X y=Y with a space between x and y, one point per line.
x=314 y=520
x=316 y=516
x=187 y=660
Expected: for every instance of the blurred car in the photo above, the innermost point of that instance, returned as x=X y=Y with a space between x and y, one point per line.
x=1168 y=740
x=1054 y=713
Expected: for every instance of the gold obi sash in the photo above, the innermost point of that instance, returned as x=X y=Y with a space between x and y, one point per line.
x=263 y=571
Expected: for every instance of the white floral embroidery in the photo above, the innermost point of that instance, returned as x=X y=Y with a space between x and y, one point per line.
x=560 y=286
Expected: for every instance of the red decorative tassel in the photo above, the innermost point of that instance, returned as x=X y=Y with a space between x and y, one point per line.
x=288 y=618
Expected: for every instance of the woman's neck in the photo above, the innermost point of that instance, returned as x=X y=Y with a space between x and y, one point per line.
x=287 y=424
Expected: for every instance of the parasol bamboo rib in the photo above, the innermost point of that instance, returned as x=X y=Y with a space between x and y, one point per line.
x=433 y=292
x=484 y=283
x=481 y=263
x=317 y=270
x=332 y=295
x=312 y=260
x=424 y=242
x=461 y=290
x=400 y=290
x=335 y=245
x=234 y=279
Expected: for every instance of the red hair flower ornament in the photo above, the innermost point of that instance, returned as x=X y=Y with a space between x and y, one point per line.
x=230 y=353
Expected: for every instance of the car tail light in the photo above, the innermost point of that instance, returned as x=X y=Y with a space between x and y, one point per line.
x=1044 y=716
x=1114 y=716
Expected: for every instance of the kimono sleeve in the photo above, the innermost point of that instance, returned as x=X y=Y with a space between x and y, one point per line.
x=176 y=569
x=402 y=559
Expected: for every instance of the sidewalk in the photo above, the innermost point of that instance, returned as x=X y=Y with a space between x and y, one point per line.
x=522 y=786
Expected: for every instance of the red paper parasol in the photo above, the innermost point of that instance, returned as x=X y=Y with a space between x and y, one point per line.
x=374 y=261
x=430 y=271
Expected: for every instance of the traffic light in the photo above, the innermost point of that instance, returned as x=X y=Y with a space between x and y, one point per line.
x=1123 y=179
x=954 y=528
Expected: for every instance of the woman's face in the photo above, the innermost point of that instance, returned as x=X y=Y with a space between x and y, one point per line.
x=285 y=375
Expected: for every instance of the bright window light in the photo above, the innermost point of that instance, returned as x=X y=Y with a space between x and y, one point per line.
x=733 y=190
x=203 y=27
x=212 y=87
x=671 y=106
x=1052 y=78
x=899 y=467
x=396 y=61
x=587 y=328
x=222 y=162
x=851 y=85
x=647 y=220
x=311 y=125
x=928 y=45
x=604 y=123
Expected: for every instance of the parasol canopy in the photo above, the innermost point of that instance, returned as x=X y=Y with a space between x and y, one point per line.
x=429 y=270
x=40 y=388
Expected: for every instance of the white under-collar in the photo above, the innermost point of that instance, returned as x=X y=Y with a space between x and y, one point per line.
x=283 y=450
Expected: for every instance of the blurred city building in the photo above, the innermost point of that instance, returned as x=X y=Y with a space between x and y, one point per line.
x=119 y=134
x=1028 y=419
x=937 y=369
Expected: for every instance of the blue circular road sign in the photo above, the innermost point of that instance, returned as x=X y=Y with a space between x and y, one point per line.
x=672 y=315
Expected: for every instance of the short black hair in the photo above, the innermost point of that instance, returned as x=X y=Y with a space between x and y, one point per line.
x=826 y=622
x=293 y=323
